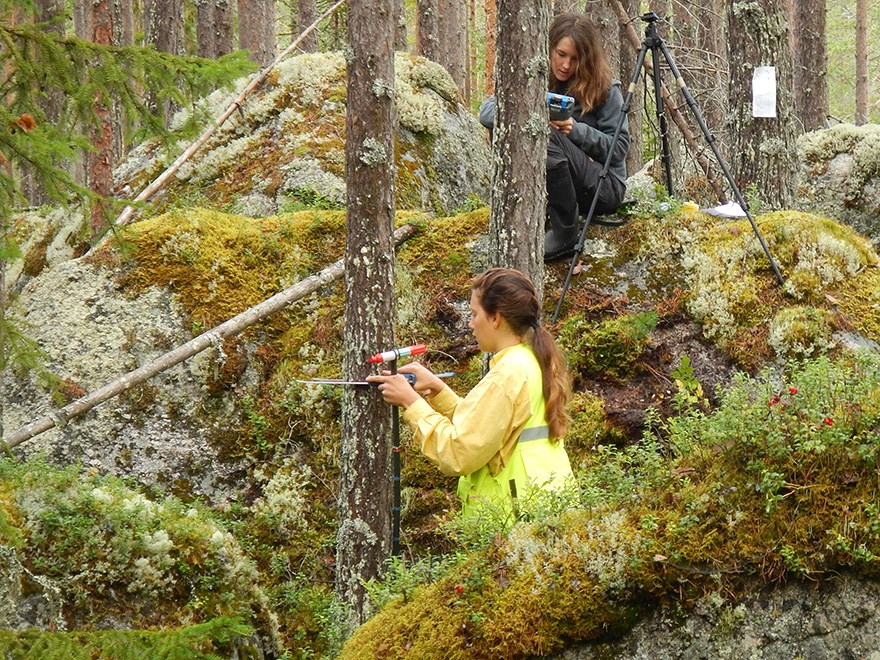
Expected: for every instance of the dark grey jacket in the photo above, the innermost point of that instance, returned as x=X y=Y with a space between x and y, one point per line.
x=592 y=132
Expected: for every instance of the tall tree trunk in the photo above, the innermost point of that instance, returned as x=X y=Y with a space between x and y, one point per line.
x=451 y=42
x=427 y=27
x=48 y=12
x=519 y=185
x=491 y=10
x=628 y=56
x=400 y=37
x=762 y=146
x=810 y=62
x=214 y=33
x=100 y=162
x=123 y=35
x=256 y=29
x=363 y=539
x=163 y=29
x=307 y=13
x=862 y=81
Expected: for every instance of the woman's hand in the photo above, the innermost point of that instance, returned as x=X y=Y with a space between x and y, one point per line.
x=397 y=391
x=563 y=125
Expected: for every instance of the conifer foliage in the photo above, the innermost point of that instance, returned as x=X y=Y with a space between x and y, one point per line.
x=37 y=61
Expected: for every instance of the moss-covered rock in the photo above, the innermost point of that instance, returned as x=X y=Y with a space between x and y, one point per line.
x=285 y=146
x=840 y=175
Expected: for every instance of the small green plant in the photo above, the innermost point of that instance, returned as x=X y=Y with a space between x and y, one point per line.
x=607 y=349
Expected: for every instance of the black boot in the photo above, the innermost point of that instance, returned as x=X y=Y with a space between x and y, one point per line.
x=560 y=236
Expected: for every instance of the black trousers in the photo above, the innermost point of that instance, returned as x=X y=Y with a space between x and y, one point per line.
x=572 y=181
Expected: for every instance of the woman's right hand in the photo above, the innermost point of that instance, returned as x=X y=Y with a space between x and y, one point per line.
x=563 y=125
x=426 y=382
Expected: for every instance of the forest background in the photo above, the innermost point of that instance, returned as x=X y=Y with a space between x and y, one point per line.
x=215 y=30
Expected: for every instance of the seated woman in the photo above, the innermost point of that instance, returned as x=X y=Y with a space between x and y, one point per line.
x=504 y=439
x=579 y=146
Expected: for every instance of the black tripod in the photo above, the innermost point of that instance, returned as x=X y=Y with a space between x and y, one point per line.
x=656 y=45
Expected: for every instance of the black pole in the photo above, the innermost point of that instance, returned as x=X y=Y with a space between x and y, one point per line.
x=395 y=469
x=653 y=42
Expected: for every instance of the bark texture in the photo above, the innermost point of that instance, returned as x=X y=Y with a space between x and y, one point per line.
x=365 y=497
x=762 y=149
x=810 y=62
x=256 y=29
x=519 y=185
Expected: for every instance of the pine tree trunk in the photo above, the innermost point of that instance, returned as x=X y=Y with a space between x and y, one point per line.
x=491 y=10
x=400 y=38
x=451 y=42
x=519 y=184
x=426 y=29
x=100 y=162
x=163 y=28
x=51 y=103
x=762 y=147
x=256 y=29
x=862 y=82
x=628 y=56
x=363 y=540
x=809 y=58
x=306 y=15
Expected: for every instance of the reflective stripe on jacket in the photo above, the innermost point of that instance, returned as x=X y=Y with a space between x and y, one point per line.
x=535 y=462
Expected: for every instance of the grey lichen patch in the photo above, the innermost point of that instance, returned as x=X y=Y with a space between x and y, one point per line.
x=373 y=153
x=381 y=88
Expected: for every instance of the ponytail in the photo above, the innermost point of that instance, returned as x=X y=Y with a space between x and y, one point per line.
x=510 y=293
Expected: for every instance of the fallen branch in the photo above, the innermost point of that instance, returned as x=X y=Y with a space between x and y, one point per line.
x=127 y=214
x=213 y=337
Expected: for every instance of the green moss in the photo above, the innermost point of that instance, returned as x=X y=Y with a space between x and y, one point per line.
x=110 y=551
x=606 y=349
x=202 y=641
x=734 y=292
x=696 y=510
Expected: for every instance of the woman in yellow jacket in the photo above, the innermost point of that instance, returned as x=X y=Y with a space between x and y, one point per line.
x=504 y=439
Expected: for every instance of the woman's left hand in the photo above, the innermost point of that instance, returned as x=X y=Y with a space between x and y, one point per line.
x=563 y=125
x=395 y=389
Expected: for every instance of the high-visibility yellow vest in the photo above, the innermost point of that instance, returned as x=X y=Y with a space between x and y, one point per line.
x=536 y=462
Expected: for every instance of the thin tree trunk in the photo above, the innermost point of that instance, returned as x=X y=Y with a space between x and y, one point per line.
x=256 y=29
x=306 y=15
x=862 y=82
x=163 y=29
x=400 y=38
x=452 y=17
x=49 y=11
x=809 y=61
x=365 y=493
x=519 y=184
x=426 y=30
x=213 y=337
x=491 y=10
x=628 y=56
x=100 y=162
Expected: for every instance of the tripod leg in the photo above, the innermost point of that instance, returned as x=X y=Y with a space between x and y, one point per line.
x=710 y=139
x=579 y=247
x=661 y=118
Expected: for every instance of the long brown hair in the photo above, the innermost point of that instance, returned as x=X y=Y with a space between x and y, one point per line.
x=510 y=293
x=593 y=77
